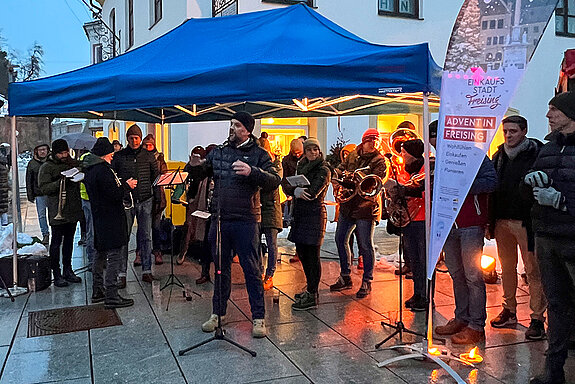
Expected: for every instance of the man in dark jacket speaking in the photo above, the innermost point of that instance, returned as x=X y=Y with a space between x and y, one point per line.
x=106 y=193
x=240 y=168
x=553 y=187
x=135 y=162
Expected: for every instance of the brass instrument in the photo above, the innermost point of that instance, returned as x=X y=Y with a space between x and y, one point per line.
x=357 y=183
x=398 y=137
x=61 y=198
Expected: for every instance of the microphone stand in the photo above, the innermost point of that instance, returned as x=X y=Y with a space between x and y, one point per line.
x=219 y=333
x=399 y=326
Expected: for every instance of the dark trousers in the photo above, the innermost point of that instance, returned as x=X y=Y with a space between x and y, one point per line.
x=557 y=264
x=242 y=238
x=62 y=235
x=309 y=256
x=113 y=259
x=414 y=251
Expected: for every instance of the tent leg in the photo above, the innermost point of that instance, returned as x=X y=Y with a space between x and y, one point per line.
x=15 y=290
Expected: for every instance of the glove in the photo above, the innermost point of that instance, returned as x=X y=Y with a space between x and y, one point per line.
x=389 y=184
x=298 y=193
x=537 y=179
x=547 y=196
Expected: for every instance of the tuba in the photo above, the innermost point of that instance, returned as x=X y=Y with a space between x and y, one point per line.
x=61 y=198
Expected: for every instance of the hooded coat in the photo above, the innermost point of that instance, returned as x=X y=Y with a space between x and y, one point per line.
x=32 y=170
x=49 y=178
x=106 y=193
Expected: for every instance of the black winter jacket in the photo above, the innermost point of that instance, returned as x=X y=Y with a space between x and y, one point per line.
x=271 y=206
x=139 y=164
x=289 y=167
x=557 y=160
x=49 y=182
x=239 y=195
x=310 y=217
x=106 y=193
x=359 y=208
x=32 y=188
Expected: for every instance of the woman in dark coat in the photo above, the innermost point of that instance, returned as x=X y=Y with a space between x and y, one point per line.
x=309 y=219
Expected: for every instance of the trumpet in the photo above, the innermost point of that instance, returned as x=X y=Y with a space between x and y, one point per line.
x=61 y=199
x=357 y=183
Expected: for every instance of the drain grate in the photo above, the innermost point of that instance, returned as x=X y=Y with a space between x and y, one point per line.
x=72 y=319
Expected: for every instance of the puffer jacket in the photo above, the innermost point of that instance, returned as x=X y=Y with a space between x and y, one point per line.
x=139 y=164
x=106 y=193
x=271 y=207
x=475 y=208
x=310 y=217
x=239 y=195
x=32 y=188
x=3 y=188
x=557 y=160
x=359 y=208
x=49 y=182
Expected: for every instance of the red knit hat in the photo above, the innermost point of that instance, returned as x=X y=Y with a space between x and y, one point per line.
x=370 y=133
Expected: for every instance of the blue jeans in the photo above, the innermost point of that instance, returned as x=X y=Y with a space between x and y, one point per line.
x=90 y=250
x=271 y=235
x=364 y=234
x=463 y=249
x=242 y=238
x=41 y=207
x=143 y=212
x=414 y=251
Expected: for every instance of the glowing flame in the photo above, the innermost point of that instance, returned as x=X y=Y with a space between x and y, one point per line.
x=487 y=261
x=472 y=352
x=434 y=351
x=434 y=376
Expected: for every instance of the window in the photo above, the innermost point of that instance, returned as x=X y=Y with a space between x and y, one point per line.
x=501 y=40
x=565 y=18
x=97 y=53
x=500 y=24
x=489 y=41
x=498 y=56
x=399 y=8
x=156 y=11
x=489 y=57
x=494 y=40
x=130 y=9
x=484 y=24
x=535 y=29
x=309 y=3
x=113 y=31
x=492 y=24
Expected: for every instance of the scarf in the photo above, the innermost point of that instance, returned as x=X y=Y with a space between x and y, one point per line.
x=304 y=166
x=513 y=152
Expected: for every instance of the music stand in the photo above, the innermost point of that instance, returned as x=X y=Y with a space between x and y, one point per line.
x=170 y=180
x=8 y=293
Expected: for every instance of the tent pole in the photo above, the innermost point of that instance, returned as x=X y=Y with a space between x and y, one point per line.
x=15 y=290
x=427 y=168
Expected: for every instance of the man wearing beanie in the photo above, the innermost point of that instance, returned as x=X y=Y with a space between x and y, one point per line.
x=106 y=192
x=63 y=229
x=360 y=214
x=240 y=168
x=552 y=185
x=135 y=162
x=34 y=194
x=510 y=225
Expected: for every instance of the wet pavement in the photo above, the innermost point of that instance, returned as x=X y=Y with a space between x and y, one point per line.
x=334 y=343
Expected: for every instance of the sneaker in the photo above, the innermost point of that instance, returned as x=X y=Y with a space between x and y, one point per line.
x=468 y=336
x=202 y=280
x=505 y=319
x=343 y=282
x=294 y=259
x=137 y=260
x=404 y=270
x=148 y=278
x=417 y=303
x=306 y=301
x=268 y=283
x=259 y=328
x=536 y=330
x=60 y=282
x=46 y=240
x=212 y=323
x=158 y=257
x=452 y=327
x=118 y=302
x=98 y=296
x=121 y=282
x=360 y=263
x=71 y=277
x=364 y=290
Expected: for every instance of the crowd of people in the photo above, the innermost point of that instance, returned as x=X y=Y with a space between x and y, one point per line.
x=523 y=197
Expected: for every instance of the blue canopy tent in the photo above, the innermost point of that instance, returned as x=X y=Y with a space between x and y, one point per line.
x=284 y=62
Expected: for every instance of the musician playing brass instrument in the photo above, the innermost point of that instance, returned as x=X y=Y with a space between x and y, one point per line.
x=64 y=210
x=359 y=210
x=406 y=208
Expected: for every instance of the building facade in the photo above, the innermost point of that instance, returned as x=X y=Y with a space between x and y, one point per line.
x=389 y=22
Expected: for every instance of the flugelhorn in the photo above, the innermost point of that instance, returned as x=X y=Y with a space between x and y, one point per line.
x=61 y=198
